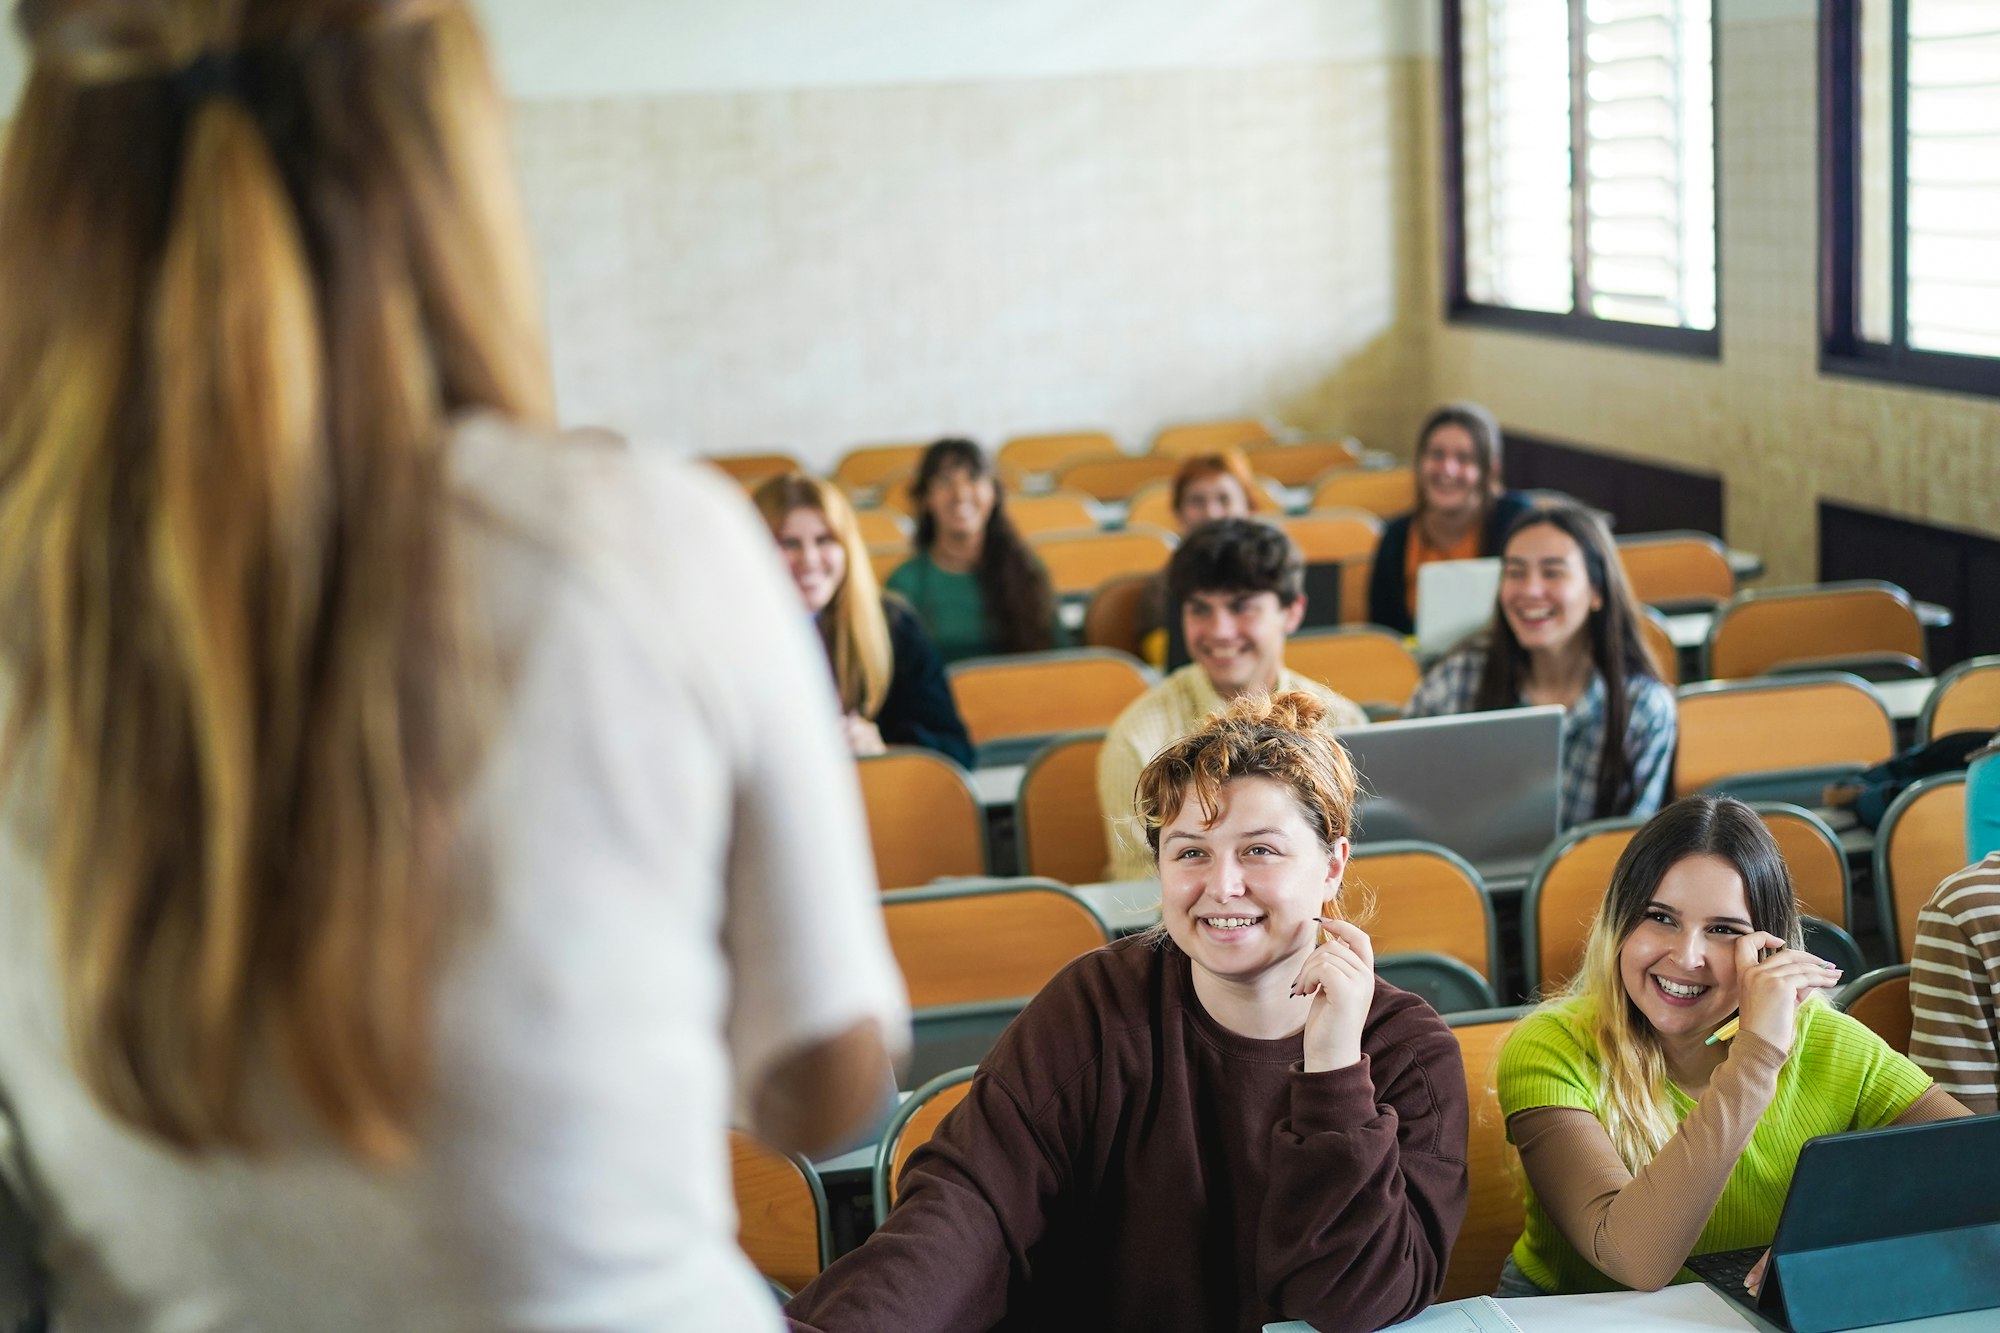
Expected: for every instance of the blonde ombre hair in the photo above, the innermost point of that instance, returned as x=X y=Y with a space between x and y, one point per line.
x=1634 y=1105
x=255 y=257
x=852 y=624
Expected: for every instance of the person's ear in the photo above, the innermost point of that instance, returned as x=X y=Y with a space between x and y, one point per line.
x=1295 y=615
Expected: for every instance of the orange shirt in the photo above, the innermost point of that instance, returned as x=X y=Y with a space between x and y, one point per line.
x=1417 y=553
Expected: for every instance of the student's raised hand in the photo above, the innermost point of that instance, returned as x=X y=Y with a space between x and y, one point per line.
x=1340 y=977
x=1772 y=981
x=863 y=738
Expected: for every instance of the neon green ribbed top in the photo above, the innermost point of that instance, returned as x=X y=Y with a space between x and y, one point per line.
x=1840 y=1076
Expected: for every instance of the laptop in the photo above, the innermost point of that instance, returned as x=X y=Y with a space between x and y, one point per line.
x=1454 y=600
x=1485 y=785
x=1880 y=1226
x=1322 y=590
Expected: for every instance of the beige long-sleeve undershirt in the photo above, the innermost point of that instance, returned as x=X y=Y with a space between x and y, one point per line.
x=1639 y=1230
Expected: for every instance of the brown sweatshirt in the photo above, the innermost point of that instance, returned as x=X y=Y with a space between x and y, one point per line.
x=1122 y=1161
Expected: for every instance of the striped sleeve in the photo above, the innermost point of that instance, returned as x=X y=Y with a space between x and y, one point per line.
x=1955 y=984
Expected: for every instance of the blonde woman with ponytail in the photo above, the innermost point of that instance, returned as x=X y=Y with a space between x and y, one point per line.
x=1644 y=1143
x=364 y=837
x=891 y=684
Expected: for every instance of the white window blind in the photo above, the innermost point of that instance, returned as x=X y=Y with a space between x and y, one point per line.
x=1588 y=157
x=1952 y=234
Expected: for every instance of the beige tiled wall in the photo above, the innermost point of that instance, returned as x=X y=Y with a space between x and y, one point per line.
x=817 y=268
x=1781 y=434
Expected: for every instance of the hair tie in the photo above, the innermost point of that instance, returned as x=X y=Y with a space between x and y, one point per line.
x=211 y=74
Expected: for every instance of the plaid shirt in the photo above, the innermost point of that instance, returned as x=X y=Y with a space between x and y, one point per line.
x=1650 y=728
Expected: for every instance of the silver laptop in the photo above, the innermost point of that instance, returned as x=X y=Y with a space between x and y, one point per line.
x=1454 y=599
x=1485 y=785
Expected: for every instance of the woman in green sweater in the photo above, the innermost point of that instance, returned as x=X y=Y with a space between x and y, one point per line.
x=974 y=583
x=1642 y=1143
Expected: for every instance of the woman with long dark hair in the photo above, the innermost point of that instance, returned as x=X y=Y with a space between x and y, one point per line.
x=1463 y=510
x=973 y=581
x=1565 y=631
x=1643 y=1142
x=404 y=835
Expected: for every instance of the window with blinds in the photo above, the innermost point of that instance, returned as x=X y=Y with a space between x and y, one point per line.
x=1584 y=149
x=1914 y=190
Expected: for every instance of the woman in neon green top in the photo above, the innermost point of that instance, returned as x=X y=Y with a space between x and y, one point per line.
x=1643 y=1144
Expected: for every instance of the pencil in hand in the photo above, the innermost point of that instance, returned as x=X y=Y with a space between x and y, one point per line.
x=1726 y=1031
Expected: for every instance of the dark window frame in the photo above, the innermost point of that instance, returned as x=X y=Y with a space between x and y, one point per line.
x=1577 y=326
x=1843 y=349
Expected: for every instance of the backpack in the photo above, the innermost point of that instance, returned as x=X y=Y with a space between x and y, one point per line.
x=1875 y=790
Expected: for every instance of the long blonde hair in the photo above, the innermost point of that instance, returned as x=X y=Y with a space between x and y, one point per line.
x=254 y=258
x=852 y=624
x=1634 y=1105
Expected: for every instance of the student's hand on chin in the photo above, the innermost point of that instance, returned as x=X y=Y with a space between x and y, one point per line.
x=1340 y=977
x=1769 y=990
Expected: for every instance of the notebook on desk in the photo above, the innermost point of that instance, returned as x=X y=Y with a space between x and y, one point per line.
x=1485 y=785
x=1454 y=600
x=1879 y=1227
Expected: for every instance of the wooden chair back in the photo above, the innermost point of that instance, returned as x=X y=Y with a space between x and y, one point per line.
x=882 y=527
x=1187 y=438
x=875 y=464
x=1057 y=511
x=1496 y=1206
x=911 y=1128
x=1677 y=568
x=1418 y=897
x=1759 y=630
x=1563 y=896
x=884 y=557
x=1115 y=478
x=1920 y=842
x=1152 y=506
x=1027 y=455
x=1367 y=664
x=1660 y=645
x=1113 y=617
x=1304 y=463
x=1731 y=728
x=1056 y=816
x=750 y=470
x=1384 y=492
x=1881 y=1000
x=997 y=940
x=1041 y=694
x=781 y=1220
x=1966 y=698
x=1355 y=575
x=1813 y=853
x=1081 y=562
x=891 y=492
x=925 y=821
x=1348 y=535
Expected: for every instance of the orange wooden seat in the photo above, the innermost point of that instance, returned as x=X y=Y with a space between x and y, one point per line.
x=882 y=527
x=1563 y=897
x=995 y=940
x=876 y=464
x=1026 y=455
x=1334 y=535
x=883 y=558
x=1423 y=898
x=924 y=819
x=1496 y=1206
x=1813 y=853
x=1660 y=645
x=1758 y=631
x=1966 y=698
x=781 y=1218
x=1187 y=438
x=1369 y=665
x=1304 y=463
x=1080 y=562
x=1677 y=568
x=1152 y=506
x=1734 y=728
x=751 y=469
x=1387 y=492
x=911 y=1127
x=1920 y=842
x=1115 y=477
x=1041 y=694
x=1056 y=511
x=1113 y=617
x=1881 y=1001
x=1056 y=816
